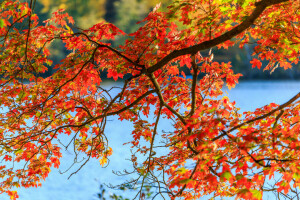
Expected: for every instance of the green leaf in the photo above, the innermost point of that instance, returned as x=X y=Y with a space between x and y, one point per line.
x=185 y=181
x=212 y=110
x=256 y=194
x=182 y=170
x=296 y=176
x=21 y=95
x=239 y=176
x=38 y=114
x=19 y=151
x=1 y=23
x=227 y=175
x=224 y=9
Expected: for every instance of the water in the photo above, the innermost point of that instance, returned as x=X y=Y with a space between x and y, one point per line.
x=85 y=184
x=251 y=95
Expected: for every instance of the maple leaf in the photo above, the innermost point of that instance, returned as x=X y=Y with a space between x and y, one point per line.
x=256 y=63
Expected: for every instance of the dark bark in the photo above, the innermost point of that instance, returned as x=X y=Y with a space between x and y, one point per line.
x=259 y=9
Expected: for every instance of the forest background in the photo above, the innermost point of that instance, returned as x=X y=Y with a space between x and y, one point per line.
x=126 y=13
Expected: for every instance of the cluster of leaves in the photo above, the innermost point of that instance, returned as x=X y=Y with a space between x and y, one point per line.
x=102 y=195
x=214 y=149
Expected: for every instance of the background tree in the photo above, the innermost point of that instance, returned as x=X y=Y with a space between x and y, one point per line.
x=89 y=12
x=212 y=148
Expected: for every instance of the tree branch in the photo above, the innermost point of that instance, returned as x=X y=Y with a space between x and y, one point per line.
x=194 y=84
x=268 y=114
x=260 y=7
x=158 y=92
x=260 y=117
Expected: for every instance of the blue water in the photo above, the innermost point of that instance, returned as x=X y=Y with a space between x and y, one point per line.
x=84 y=185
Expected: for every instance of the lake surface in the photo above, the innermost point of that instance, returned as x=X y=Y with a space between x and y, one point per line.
x=85 y=184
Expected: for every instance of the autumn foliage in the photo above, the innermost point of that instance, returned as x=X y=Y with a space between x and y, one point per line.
x=211 y=149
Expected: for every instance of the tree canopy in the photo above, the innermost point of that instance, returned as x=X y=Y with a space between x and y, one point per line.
x=211 y=147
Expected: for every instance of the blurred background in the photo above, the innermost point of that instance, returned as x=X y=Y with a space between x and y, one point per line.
x=126 y=13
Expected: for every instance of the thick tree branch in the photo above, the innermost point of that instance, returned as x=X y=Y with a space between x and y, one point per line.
x=260 y=7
